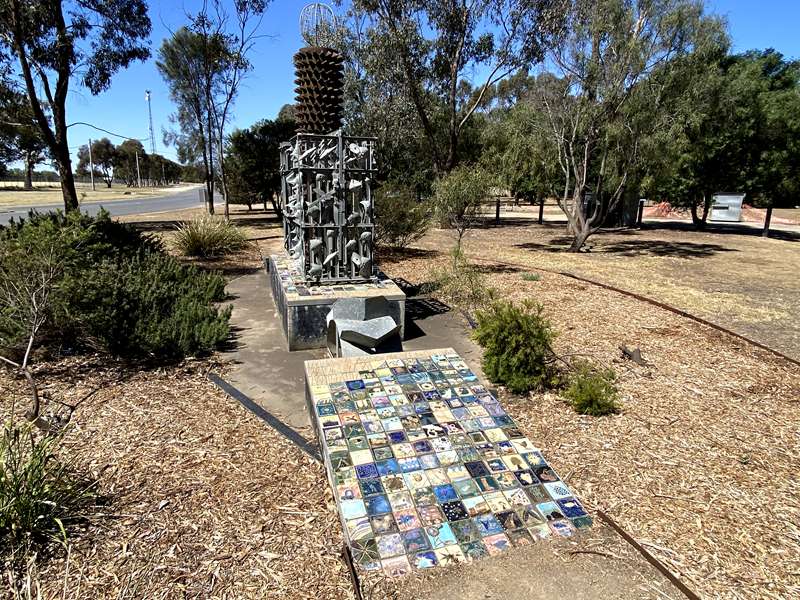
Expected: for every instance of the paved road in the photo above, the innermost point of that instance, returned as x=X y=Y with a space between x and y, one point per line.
x=177 y=201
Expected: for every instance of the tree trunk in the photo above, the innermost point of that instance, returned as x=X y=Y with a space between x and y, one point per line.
x=68 y=191
x=767 y=219
x=223 y=178
x=699 y=221
x=28 y=170
x=580 y=239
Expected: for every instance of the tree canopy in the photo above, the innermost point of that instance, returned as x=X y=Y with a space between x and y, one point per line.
x=413 y=59
x=253 y=156
x=55 y=42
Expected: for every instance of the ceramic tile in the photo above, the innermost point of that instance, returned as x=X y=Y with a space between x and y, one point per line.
x=429 y=469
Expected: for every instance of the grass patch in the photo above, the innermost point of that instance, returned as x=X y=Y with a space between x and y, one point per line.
x=460 y=284
x=40 y=494
x=531 y=277
x=208 y=235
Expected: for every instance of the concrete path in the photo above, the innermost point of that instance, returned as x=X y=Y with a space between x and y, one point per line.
x=168 y=202
x=270 y=375
x=263 y=368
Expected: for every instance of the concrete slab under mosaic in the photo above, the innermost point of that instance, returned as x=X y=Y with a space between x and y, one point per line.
x=303 y=308
x=426 y=466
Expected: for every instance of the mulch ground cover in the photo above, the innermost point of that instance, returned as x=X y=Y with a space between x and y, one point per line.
x=198 y=497
x=701 y=465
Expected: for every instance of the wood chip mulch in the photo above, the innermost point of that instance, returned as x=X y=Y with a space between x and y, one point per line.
x=702 y=464
x=199 y=498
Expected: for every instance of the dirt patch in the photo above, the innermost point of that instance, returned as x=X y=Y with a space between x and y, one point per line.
x=701 y=464
x=746 y=283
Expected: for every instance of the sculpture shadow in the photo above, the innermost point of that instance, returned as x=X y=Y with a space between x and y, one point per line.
x=418 y=309
x=497 y=269
x=393 y=255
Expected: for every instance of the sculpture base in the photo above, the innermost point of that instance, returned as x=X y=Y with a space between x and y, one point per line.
x=303 y=308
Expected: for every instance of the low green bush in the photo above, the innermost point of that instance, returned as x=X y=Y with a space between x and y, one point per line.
x=40 y=494
x=112 y=288
x=149 y=306
x=531 y=277
x=209 y=236
x=517 y=346
x=400 y=219
x=592 y=390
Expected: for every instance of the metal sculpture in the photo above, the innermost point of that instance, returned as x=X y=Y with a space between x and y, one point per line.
x=327 y=206
x=317 y=24
x=318 y=95
x=326 y=176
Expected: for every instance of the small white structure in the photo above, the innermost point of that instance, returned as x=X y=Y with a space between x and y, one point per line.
x=727 y=207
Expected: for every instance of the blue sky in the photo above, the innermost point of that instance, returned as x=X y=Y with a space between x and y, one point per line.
x=122 y=109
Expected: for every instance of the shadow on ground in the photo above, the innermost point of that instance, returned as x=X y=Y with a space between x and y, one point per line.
x=663 y=248
x=635 y=247
x=724 y=229
x=392 y=255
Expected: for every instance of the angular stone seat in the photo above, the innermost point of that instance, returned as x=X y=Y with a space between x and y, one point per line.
x=362 y=326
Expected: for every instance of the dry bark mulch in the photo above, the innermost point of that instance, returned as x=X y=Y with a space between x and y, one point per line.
x=701 y=465
x=200 y=498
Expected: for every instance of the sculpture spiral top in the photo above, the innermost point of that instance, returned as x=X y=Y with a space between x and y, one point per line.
x=317 y=24
x=319 y=79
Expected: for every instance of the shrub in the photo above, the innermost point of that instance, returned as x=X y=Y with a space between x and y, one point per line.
x=458 y=198
x=592 y=390
x=517 y=346
x=531 y=277
x=116 y=289
x=149 y=306
x=400 y=219
x=39 y=492
x=50 y=247
x=460 y=284
x=209 y=236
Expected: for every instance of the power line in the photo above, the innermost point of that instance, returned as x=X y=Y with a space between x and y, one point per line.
x=107 y=131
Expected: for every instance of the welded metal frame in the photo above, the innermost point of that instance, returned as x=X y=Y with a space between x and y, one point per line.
x=326 y=191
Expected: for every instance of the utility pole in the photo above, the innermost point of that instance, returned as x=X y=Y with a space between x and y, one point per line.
x=138 y=175
x=150 y=119
x=91 y=163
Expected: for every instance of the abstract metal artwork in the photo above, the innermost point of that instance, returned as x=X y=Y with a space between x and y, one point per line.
x=327 y=206
x=427 y=467
x=326 y=189
x=319 y=76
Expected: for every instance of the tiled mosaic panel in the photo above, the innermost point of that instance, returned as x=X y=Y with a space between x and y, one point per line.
x=290 y=275
x=429 y=469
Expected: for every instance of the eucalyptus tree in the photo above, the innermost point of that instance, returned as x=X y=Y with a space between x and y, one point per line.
x=102 y=159
x=422 y=53
x=253 y=155
x=613 y=64
x=54 y=42
x=204 y=65
x=20 y=136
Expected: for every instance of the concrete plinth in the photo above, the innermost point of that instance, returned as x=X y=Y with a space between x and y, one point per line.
x=303 y=308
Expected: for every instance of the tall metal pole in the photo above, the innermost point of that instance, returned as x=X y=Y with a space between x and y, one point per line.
x=91 y=163
x=138 y=175
x=150 y=118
